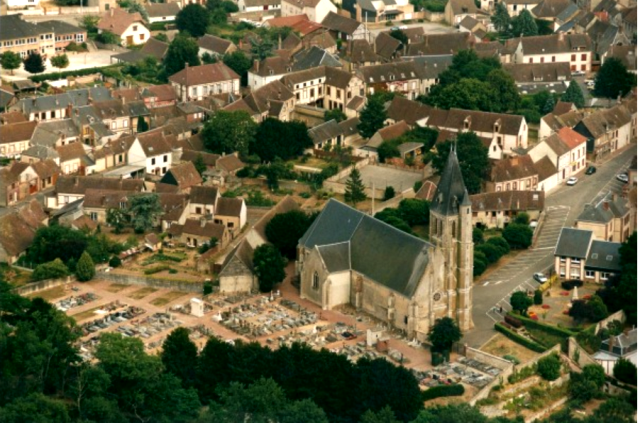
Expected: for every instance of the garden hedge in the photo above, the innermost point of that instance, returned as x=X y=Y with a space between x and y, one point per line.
x=532 y=345
x=552 y=330
x=79 y=72
x=443 y=391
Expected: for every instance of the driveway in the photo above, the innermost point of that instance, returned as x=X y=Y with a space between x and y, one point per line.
x=562 y=209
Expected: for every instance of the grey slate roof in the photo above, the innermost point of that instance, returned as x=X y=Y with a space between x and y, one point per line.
x=325 y=131
x=595 y=214
x=41 y=152
x=59 y=27
x=430 y=67
x=314 y=57
x=573 y=243
x=12 y=27
x=48 y=133
x=349 y=239
x=604 y=255
x=451 y=189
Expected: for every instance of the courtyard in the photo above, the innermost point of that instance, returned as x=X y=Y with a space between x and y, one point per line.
x=382 y=177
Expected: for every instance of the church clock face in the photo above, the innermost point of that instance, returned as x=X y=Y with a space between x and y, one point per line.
x=436 y=296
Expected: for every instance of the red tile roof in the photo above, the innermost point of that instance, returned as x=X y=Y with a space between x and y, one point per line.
x=571 y=138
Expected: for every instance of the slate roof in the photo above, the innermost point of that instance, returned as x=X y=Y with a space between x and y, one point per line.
x=40 y=152
x=512 y=168
x=573 y=243
x=627 y=54
x=16 y=132
x=441 y=44
x=204 y=74
x=349 y=126
x=239 y=261
x=549 y=8
x=118 y=20
x=229 y=206
x=80 y=184
x=12 y=27
x=348 y=239
x=482 y=121
x=389 y=72
x=551 y=44
x=604 y=255
x=430 y=67
x=508 y=201
x=538 y=72
x=60 y=27
x=72 y=151
x=340 y=23
x=325 y=131
x=603 y=35
x=313 y=57
x=386 y=46
x=410 y=111
x=48 y=133
x=159 y=10
x=261 y=100
x=215 y=44
x=184 y=174
x=333 y=76
x=451 y=190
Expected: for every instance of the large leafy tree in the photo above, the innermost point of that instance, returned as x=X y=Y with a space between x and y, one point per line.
x=500 y=18
x=182 y=50
x=240 y=63
x=354 y=190
x=268 y=266
x=34 y=63
x=520 y=302
x=180 y=356
x=193 y=19
x=518 y=236
x=275 y=138
x=574 y=94
x=117 y=219
x=144 y=210
x=625 y=371
x=60 y=61
x=229 y=131
x=261 y=48
x=10 y=61
x=52 y=270
x=372 y=117
x=57 y=241
x=284 y=230
x=444 y=334
x=505 y=94
x=613 y=79
x=334 y=114
x=473 y=157
x=524 y=24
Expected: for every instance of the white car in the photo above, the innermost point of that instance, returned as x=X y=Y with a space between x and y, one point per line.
x=403 y=27
x=533 y=224
x=539 y=277
x=622 y=177
x=572 y=181
x=578 y=73
x=590 y=83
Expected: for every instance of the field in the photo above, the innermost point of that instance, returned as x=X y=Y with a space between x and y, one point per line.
x=500 y=346
x=50 y=294
x=167 y=298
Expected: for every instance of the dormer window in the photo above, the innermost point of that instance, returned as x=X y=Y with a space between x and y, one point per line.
x=392 y=77
x=270 y=71
x=467 y=123
x=382 y=77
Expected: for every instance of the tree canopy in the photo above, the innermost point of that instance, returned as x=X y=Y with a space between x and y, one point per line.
x=613 y=79
x=229 y=131
x=182 y=50
x=444 y=334
x=275 y=138
x=372 y=117
x=354 y=190
x=144 y=210
x=520 y=302
x=193 y=19
x=34 y=63
x=524 y=24
x=284 y=230
x=574 y=94
x=268 y=266
x=473 y=157
x=10 y=61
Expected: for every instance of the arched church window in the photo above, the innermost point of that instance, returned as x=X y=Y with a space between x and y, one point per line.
x=315 y=284
x=453 y=229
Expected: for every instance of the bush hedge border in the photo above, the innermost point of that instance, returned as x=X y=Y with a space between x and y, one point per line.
x=552 y=330
x=532 y=345
x=64 y=74
x=439 y=391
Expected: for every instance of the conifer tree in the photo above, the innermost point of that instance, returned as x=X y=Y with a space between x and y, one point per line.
x=354 y=192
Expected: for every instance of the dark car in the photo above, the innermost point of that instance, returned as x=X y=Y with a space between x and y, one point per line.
x=591 y=170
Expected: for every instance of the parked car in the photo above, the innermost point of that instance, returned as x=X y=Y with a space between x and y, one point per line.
x=395 y=28
x=622 y=177
x=533 y=224
x=591 y=170
x=572 y=181
x=578 y=73
x=590 y=82
x=539 y=277
x=403 y=27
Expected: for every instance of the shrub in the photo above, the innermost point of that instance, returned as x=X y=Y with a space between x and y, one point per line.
x=518 y=236
x=443 y=391
x=479 y=263
x=207 y=288
x=625 y=371
x=512 y=359
x=569 y=285
x=85 y=269
x=389 y=193
x=522 y=374
x=537 y=297
x=492 y=252
x=52 y=270
x=115 y=262
x=549 y=367
x=552 y=330
x=156 y=269
x=532 y=345
x=173 y=271
x=501 y=243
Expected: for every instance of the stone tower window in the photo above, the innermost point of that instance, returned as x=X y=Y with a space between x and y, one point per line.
x=453 y=229
x=315 y=284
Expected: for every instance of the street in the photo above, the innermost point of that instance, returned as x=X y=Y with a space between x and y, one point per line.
x=562 y=208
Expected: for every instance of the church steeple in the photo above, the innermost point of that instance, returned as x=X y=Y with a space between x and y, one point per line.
x=451 y=191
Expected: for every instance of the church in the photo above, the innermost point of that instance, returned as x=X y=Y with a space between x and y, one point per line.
x=348 y=257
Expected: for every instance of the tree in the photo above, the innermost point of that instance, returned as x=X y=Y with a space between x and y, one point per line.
x=372 y=117
x=261 y=48
x=524 y=24
x=574 y=94
x=268 y=266
x=60 y=61
x=284 y=231
x=142 y=125
x=34 y=63
x=414 y=211
x=452 y=413
x=55 y=241
x=275 y=138
x=388 y=149
x=473 y=157
x=385 y=415
x=613 y=79
x=117 y=219
x=207 y=245
x=208 y=58
x=468 y=93
x=505 y=93
x=162 y=36
x=180 y=356
x=520 y=302
x=625 y=371
x=193 y=19
x=518 y=236
x=616 y=410
x=90 y=23
x=537 y=297
x=182 y=50
x=144 y=210
x=108 y=37
x=115 y=262
x=10 y=61
x=490 y=251
x=334 y=114
x=35 y=407
x=389 y=193
x=586 y=385
x=480 y=263
x=400 y=36
x=501 y=243
x=240 y=63
x=52 y=270
x=199 y=164
x=549 y=367
x=85 y=269
x=500 y=18
x=444 y=334
x=229 y=131
x=522 y=218
x=477 y=235
x=393 y=217
x=354 y=190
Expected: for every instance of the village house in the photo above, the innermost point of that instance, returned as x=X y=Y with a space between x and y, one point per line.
x=624 y=345
x=379 y=11
x=55 y=133
x=572 y=48
x=443 y=44
x=606 y=131
x=20 y=180
x=268 y=70
x=579 y=255
x=513 y=174
x=183 y=175
x=495 y=209
x=549 y=9
x=316 y=10
x=152 y=48
x=429 y=68
x=231 y=213
x=628 y=55
x=72 y=188
x=65 y=33
x=129 y=27
x=237 y=270
x=567 y=150
x=325 y=87
x=197 y=82
x=326 y=134
x=197 y=232
x=387 y=133
x=14 y=137
x=114 y=115
x=59 y=106
x=23 y=38
x=514 y=7
x=215 y=46
x=553 y=122
x=72 y=158
x=533 y=77
x=400 y=279
x=259 y=6
x=98 y=202
x=456 y=10
x=401 y=77
x=159 y=96
x=608 y=220
x=18 y=229
x=344 y=28
x=152 y=150
x=162 y=12
x=271 y=100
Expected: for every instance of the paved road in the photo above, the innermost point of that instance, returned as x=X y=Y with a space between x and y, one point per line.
x=562 y=208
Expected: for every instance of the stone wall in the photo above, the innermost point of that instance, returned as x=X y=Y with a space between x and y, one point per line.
x=487 y=358
x=175 y=285
x=579 y=354
x=618 y=315
x=43 y=285
x=547 y=410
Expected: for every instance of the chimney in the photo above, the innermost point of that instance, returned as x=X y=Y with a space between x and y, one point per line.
x=122 y=98
x=203 y=222
x=76 y=181
x=111 y=12
x=280 y=42
x=256 y=65
x=561 y=36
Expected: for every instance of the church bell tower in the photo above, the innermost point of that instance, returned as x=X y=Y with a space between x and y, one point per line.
x=451 y=229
